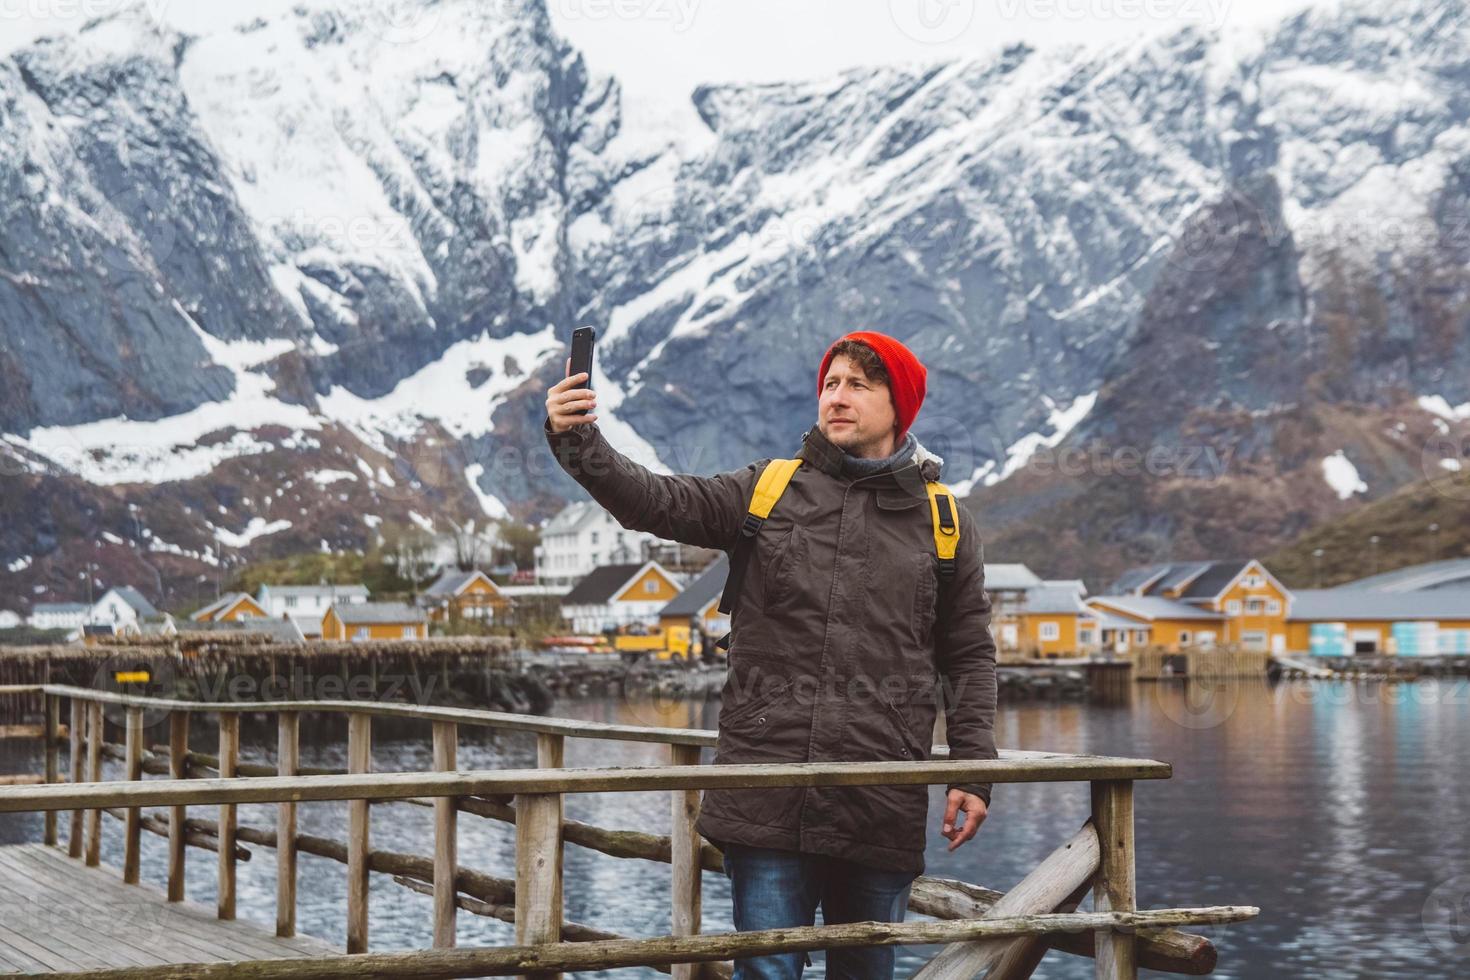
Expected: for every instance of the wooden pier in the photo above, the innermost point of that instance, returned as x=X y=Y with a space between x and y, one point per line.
x=981 y=929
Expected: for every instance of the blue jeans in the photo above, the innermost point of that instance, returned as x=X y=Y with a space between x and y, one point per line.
x=773 y=889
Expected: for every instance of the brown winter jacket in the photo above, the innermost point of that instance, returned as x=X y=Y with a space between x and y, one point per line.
x=842 y=644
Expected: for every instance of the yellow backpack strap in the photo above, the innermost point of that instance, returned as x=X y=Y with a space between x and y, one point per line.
x=768 y=489
x=946 y=516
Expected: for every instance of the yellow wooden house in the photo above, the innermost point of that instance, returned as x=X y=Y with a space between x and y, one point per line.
x=464 y=594
x=613 y=596
x=1051 y=620
x=1204 y=603
x=375 y=621
x=697 y=606
x=232 y=607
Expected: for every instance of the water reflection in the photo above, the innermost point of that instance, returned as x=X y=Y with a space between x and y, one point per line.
x=1339 y=808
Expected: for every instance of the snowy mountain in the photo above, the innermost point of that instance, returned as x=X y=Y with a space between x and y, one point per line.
x=352 y=239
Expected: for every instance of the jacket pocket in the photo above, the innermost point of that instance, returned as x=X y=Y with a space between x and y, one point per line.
x=782 y=567
x=736 y=713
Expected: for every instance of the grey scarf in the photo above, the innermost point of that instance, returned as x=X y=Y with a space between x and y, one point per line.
x=856 y=466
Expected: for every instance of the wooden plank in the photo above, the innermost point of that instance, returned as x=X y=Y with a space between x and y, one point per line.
x=132 y=828
x=229 y=758
x=78 y=770
x=446 y=838
x=178 y=768
x=1114 y=890
x=502 y=782
x=94 y=775
x=288 y=761
x=684 y=851
x=359 y=761
x=538 y=871
x=618 y=953
x=52 y=739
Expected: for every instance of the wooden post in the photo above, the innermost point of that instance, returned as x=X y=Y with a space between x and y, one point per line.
x=178 y=768
x=78 y=770
x=288 y=763
x=94 y=775
x=538 y=870
x=359 y=760
x=1114 y=891
x=132 y=824
x=446 y=838
x=229 y=763
x=684 y=847
x=52 y=747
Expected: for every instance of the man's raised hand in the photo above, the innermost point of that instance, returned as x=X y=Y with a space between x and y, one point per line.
x=566 y=398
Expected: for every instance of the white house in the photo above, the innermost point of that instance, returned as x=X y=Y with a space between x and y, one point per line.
x=58 y=615
x=307 y=604
x=583 y=536
x=122 y=606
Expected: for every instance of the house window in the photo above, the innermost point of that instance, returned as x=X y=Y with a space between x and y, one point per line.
x=290 y=602
x=1051 y=631
x=1184 y=636
x=1254 y=605
x=1140 y=636
x=410 y=632
x=650 y=585
x=594 y=537
x=361 y=633
x=1232 y=607
x=1205 y=638
x=1273 y=607
x=1085 y=637
x=1251 y=581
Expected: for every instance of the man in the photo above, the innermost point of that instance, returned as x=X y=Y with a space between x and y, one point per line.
x=841 y=631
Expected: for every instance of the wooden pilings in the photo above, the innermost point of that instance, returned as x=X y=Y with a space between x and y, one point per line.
x=288 y=762
x=359 y=761
x=229 y=758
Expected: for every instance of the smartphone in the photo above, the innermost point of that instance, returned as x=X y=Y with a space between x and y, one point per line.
x=582 y=340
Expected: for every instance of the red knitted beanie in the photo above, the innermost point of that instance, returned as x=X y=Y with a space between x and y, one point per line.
x=906 y=375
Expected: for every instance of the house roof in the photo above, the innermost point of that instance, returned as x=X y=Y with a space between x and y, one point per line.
x=1452 y=573
x=1196 y=579
x=606 y=581
x=1356 y=603
x=332 y=591
x=1009 y=575
x=58 y=608
x=368 y=613
x=134 y=598
x=1153 y=607
x=221 y=604
x=572 y=516
x=1054 y=600
x=708 y=586
x=453 y=580
x=284 y=630
x=1107 y=621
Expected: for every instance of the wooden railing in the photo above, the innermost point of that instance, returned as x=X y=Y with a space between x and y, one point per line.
x=984 y=929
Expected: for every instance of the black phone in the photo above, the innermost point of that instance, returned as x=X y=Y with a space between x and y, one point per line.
x=582 y=340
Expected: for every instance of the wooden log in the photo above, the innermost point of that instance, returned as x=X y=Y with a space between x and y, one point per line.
x=23 y=779
x=229 y=757
x=446 y=838
x=132 y=832
x=1114 y=891
x=1062 y=872
x=572 y=932
x=288 y=754
x=52 y=746
x=1024 y=955
x=195 y=834
x=684 y=850
x=78 y=771
x=94 y=775
x=618 y=953
x=538 y=872
x=178 y=756
x=359 y=761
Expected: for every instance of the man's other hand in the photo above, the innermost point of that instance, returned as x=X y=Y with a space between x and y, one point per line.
x=566 y=398
x=974 y=810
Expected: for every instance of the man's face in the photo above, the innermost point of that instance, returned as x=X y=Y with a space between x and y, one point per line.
x=854 y=412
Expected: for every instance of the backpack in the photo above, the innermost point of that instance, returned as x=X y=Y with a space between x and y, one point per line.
x=769 y=488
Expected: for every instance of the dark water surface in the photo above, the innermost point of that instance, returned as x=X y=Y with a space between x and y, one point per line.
x=1342 y=809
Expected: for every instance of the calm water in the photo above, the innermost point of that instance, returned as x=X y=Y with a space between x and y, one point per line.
x=1342 y=810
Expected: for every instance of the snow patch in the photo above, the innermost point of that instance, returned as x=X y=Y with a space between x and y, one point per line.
x=257 y=528
x=489 y=503
x=1342 y=476
x=1437 y=405
x=20 y=564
